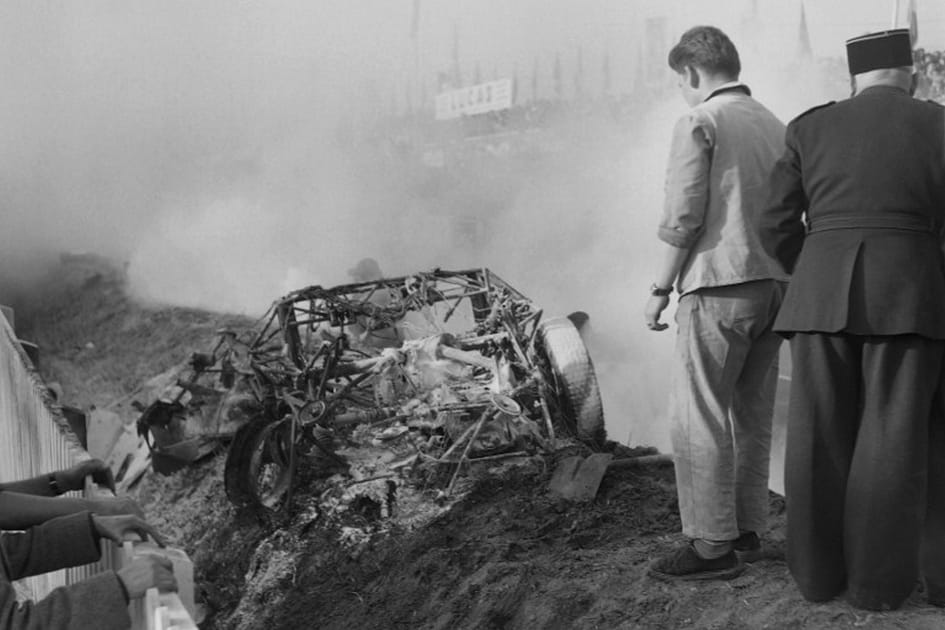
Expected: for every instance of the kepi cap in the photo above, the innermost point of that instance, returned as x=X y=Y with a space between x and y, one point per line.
x=885 y=49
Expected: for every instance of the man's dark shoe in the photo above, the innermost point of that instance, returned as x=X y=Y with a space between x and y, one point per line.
x=748 y=547
x=684 y=564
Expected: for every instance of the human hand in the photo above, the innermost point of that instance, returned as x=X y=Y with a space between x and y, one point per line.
x=147 y=571
x=116 y=528
x=654 y=308
x=74 y=478
x=115 y=506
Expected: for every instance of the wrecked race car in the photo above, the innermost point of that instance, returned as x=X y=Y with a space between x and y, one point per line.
x=440 y=368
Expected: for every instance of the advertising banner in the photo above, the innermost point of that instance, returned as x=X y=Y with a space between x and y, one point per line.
x=476 y=99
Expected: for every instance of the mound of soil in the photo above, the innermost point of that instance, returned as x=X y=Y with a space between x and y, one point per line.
x=507 y=555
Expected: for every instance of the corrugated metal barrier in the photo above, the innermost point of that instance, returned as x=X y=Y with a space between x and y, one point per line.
x=36 y=439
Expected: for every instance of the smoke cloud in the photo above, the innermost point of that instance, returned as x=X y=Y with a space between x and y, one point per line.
x=228 y=152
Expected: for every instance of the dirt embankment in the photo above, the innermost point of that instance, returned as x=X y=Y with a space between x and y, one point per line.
x=506 y=556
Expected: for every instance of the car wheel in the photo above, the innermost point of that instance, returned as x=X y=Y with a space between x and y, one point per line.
x=258 y=470
x=576 y=381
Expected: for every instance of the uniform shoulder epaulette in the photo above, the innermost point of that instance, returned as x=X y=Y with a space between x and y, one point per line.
x=814 y=109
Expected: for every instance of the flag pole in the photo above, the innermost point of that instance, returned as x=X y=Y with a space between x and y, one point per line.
x=895 y=15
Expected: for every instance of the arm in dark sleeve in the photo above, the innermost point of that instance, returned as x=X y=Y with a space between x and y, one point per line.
x=67 y=541
x=23 y=511
x=98 y=602
x=38 y=486
x=780 y=224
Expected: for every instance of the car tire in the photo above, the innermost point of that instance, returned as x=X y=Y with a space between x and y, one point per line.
x=257 y=444
x=575 y=379
x=239 y=450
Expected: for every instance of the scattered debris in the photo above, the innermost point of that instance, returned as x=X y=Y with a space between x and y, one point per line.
x=413 y=378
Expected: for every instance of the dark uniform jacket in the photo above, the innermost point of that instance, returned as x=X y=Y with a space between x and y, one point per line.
x=97 y=603
x=869 y=172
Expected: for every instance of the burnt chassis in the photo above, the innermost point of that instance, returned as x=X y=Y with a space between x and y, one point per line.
x=316 y=370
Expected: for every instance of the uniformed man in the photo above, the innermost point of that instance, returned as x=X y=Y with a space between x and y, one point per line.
x=857 y=209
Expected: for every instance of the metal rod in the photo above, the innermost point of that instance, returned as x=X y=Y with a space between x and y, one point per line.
x=288 y=493
x=459 y=466
x=463 y=356
x=367 y=479
x=547 y=416
x=473 y=460
x=515 y=344
x=459 y=300
x=534 y=334
x=492 y=458
x=458 y=441
x=474 y=343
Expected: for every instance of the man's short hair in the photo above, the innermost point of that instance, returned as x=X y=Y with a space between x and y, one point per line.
x=708 y=48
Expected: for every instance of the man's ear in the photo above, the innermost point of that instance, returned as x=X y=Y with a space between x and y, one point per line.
x=693 y=76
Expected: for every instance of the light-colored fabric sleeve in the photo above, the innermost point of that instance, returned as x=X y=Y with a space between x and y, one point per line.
x=687 y=180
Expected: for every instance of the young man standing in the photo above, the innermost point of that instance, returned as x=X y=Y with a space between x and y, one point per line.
x=725 y=374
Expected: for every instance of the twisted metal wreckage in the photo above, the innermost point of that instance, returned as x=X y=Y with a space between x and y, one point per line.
x=439 y=369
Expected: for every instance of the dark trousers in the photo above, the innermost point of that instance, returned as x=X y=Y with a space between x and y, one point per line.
x=857 y=468
x=933 y=539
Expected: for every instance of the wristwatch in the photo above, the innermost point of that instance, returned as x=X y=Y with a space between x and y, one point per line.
x=660 y=291
x=54 y=485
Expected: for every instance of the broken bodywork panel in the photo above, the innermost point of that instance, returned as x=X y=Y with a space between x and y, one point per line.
x=437 y=369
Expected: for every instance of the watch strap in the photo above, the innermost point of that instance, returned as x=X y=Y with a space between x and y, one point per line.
x=660 y=291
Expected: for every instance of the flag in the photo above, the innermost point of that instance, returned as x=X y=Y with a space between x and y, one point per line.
x=514 y=84
x=913 y=23
x=655 y=44
x=457 y=73
x=579 y=73
x=605 y=71
x=804 y=37
x=535 y=79
x=642 y=79
x=556 y=75
x=415 y=20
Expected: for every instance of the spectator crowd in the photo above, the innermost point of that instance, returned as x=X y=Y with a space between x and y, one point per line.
x=930 y=65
